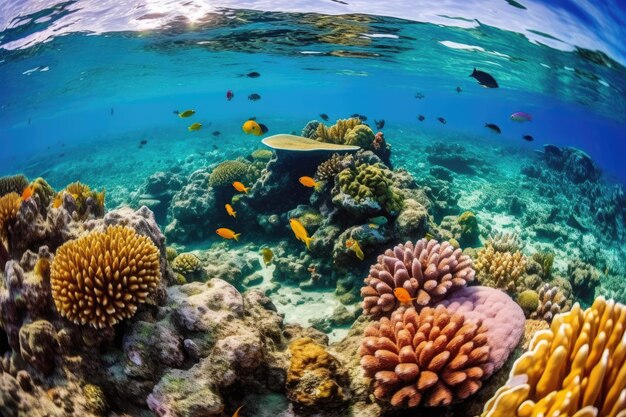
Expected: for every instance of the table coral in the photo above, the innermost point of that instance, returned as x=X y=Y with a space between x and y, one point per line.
x=101 y=278
x=428 y=270
x=12 y=184
x=432 y=358
x=315 y=378
x=577 y=368
x=500 y=269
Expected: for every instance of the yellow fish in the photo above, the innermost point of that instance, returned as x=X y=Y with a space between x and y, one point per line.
x=268 y=255
x=300 y=232
x=240 y=187
x=227 y=233
x=186 y=113
x=309 y=182
x=230 y=211
x=254 y=128
x=194 y=127
x=354 y=245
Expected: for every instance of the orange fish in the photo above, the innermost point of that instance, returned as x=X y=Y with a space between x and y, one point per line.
x=237 y=411
x=309 y=182
x=227 y=233
x=403 y=295
x=240 y=187
x=27 y=193
x=230 y=211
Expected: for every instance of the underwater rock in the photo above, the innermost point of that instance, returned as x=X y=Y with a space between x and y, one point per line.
x=584 y=279
x=453 y=157
x=412 y=222
x=39 y=345
x=158 y=190
x=229 y=264
x=574 y=163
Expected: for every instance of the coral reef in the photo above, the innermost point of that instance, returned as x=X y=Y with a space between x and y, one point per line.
x=505 y=242
x=330 y=168
x=528 y=300
x=338 y=132
x=315 y=378
x=454 y=157
x=552 y=301
x=99 y=279
x=188 y=265
x=224 y=174
x=9 y=206
x=361 y=136
x=310 y=130
x=428 y=270
x=575 y=368
x=545 y=260
x=79 y=198
x=500 y=269
x=584 y=279
x=261 y=155
x=12 y=184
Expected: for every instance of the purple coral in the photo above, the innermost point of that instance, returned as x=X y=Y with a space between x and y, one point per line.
x=428 y=270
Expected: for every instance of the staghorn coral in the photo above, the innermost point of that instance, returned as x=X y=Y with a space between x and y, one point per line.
x=499 y=269
x=315 y=378
x=577 y=368
x=261 y=155
x=227 y=172
x=360 y=135
x=428 y=270
x=429 y=358
x=552 y=301
x=505 y=242
x=188 y=265
x=330 y=168
x=336 y=133
x=12 y=184
x=101 y=278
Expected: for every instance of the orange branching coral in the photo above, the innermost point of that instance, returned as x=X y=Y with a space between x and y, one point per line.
x=432 y=358
x=101 y=278
x=428 y=270
x=577 y=368
x=9 y=206
x=500 y=269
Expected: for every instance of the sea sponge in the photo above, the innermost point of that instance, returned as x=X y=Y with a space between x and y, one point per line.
x=101 y=278
x=500 y=269
x=13 y=184
x=337 y=132
x=262 y=155
x=529 y=301
x=187 y=264
x=328 y=169
x=429 y=358
x=228 y=172
x=505 y=242
x=428 y=270
x=577 y=368
x=315 y=378
x=370 y=183
x=552 y=301
x=360 y=135
x=311 y=220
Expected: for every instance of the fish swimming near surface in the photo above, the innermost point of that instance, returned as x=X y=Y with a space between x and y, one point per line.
x=300 y=232
x=27 y=193
x=484 y=79
x=421 y=118
x=186 y=113
x=231 y=212
x=528 y=138
x=324 y=116
x=227 y=233
x=459 y=89
x=309 y=182
x=380 y=123
x=194 y=127
x=240 y=187
x=493 y=128
x=354 y=245
x=253 y=74
x=442 y=120
x=267 y=255
x=254 y=97
x=520 y=116
x=254 y=128
x=216 y=133
x=419 y=95
x=229 y=95
x=403 y=295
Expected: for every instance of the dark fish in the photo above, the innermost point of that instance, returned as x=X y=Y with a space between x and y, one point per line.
x=421 y=118
x=324 y=116
x=339 y=1
x=362 y=117
x=111 y=111
x=528 y=138
x=380 y=123
x=459 y=89
x=441 y=120
x=176 y=112
x=492 y=127
x=143 y=142
x=484 y=79
x=254 y=97
x=229 y=95
x=264 y=128
x=253 y=74
x=419 y=95
x=216 y=133
x=214 y=146
x=29 y=120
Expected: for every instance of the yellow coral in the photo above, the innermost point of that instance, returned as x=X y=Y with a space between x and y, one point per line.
x=337 y=132
x=186 y=264
x=101 y=278
x=81 y=192
x=9 y=206
x=577 y=368
x=499 y=269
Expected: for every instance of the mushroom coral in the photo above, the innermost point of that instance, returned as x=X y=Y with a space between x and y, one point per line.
x=102 y=277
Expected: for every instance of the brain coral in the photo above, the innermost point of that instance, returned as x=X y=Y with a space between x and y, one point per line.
x=500 y=269
x=12 y=184
x=101 y=278
x=370 y=183
x=360 y=135
x=577 y=368
x=428 y=270
x=432 y=358
x=337 y=132
x=227 y=172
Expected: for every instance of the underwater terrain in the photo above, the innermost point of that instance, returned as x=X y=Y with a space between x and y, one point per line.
x=343 y=208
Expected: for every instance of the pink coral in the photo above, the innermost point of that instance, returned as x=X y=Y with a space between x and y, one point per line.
x=428 y=270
